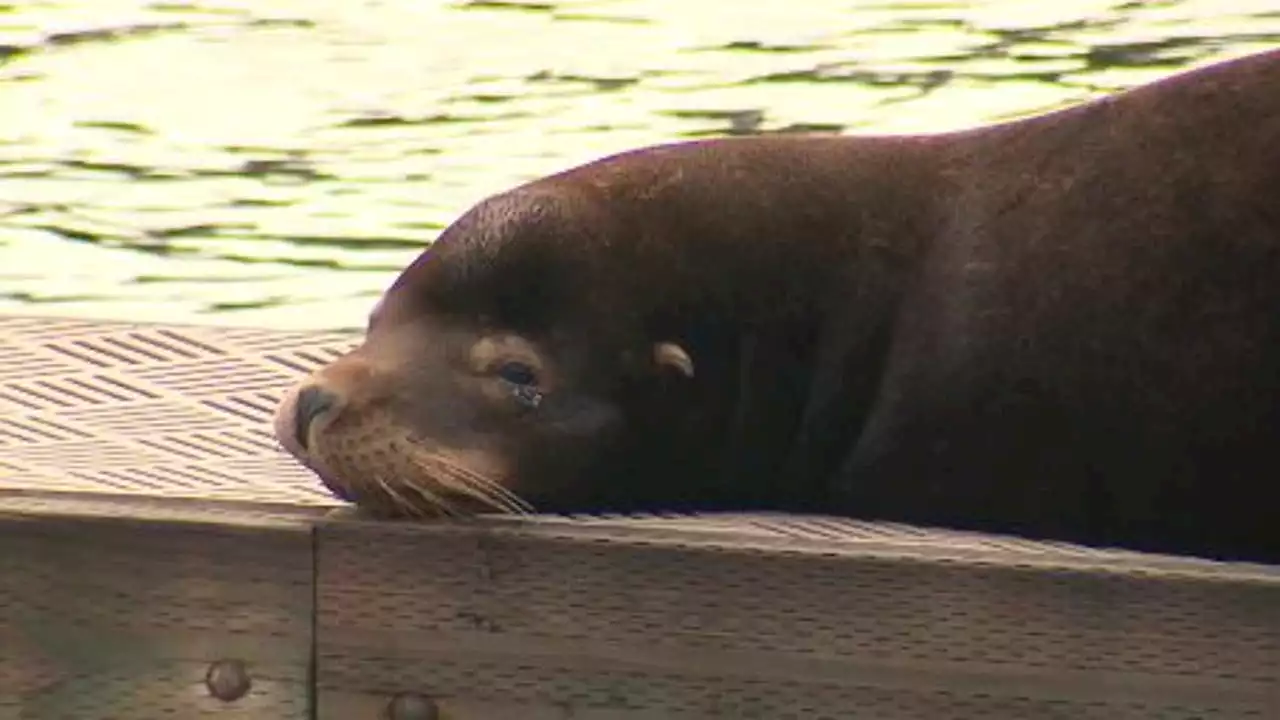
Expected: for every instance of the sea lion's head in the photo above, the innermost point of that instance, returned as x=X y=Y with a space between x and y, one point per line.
x=636 y=333
x=497 y=373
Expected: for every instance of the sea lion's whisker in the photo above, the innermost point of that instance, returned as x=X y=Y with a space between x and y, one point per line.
x=396 y=499
x=443 y=473
x=414 y=509
x=437 y=471
x=451 y=485
x=509 y=500
x=434 y=500
x=437 y=499
x=516 y=504
x=466 y=482
x=492 y=494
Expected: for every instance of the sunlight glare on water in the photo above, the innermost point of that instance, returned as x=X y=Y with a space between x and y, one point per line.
x=276 y=162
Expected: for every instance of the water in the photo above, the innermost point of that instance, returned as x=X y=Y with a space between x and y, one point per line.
x=276 y=162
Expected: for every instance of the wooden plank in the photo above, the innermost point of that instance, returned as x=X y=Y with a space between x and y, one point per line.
x=115 y=609
x=607 y=622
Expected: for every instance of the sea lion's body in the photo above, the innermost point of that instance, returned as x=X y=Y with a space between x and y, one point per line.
x=1063 y=327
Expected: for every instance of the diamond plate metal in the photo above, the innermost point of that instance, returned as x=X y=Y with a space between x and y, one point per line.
x=161 y=411
x=149 y=526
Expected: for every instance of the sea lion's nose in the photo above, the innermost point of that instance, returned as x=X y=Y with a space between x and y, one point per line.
x=311 y=401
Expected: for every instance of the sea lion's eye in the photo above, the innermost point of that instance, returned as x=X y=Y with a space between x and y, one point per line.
x=524 y=383
x=518 y=373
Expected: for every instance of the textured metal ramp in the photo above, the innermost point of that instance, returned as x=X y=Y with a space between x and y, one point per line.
x=152 y=536
x=150 y=410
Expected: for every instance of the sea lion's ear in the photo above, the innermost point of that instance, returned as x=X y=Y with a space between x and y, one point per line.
x=673 y=356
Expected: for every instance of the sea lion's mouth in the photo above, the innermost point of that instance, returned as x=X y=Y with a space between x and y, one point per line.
x=377 y=466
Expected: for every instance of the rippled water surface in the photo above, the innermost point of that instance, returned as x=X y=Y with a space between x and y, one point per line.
x=275 y=162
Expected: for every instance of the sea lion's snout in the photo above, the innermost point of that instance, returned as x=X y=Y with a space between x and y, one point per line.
x=413 y=434
x=310 y=403
x=305 y=419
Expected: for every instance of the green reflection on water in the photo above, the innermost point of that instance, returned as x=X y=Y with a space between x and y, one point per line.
x=275 y=162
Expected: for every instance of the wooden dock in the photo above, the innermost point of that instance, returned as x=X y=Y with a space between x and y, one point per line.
x=160 y=558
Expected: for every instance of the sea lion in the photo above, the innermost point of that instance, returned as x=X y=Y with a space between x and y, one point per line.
x=1065 y=326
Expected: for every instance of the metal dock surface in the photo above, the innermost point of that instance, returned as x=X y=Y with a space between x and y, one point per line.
x=160 y=558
